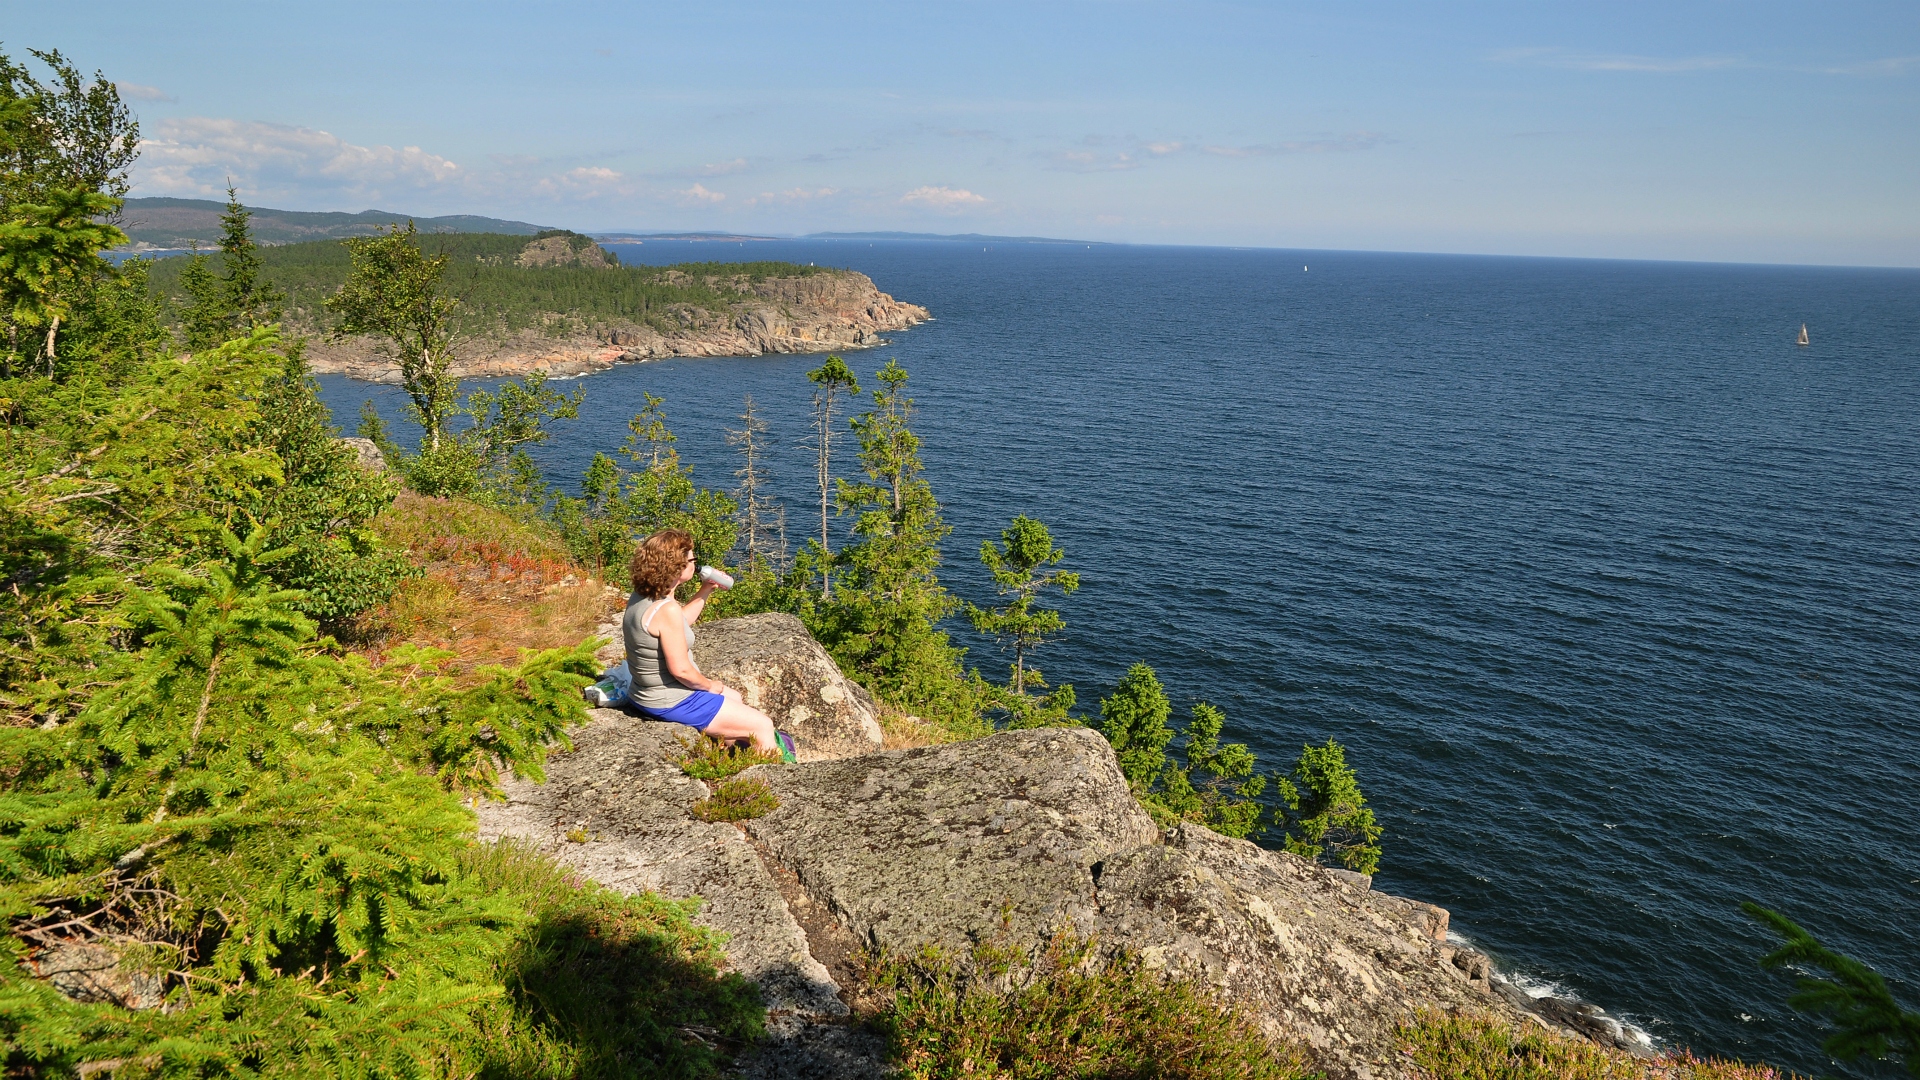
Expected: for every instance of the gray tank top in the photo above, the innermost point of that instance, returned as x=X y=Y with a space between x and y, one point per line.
x=654 y=687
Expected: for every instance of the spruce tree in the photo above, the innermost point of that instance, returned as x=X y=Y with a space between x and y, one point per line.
x=49 y=260
x=1868 y=1021
x=883 y=623
x=236 y=302
x=67 y=143
x=1325 y=812
x=1020 y=568
x=620 y=507
x=1134 y=720
x=1214 y=785
x=249 y=301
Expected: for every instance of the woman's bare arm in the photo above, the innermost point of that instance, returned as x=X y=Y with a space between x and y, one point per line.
x=673 y=649
x=698 y=604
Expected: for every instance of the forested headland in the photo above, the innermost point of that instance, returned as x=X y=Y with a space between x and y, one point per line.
x=557 y=282
x=249 y=688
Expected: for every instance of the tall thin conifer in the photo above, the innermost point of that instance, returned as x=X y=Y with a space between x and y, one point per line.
x=758 y=512
x=832 y=381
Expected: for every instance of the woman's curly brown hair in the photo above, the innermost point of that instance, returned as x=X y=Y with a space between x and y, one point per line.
x=658 y=561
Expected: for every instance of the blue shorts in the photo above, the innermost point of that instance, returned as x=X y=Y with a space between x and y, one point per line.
x=696 y=710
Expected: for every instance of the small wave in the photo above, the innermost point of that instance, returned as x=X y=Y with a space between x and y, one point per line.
x=1540 y=988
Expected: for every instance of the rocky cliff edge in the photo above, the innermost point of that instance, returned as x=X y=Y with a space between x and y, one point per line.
x=1010 y=838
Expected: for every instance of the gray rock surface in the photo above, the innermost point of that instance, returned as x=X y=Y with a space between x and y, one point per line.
x=365 y=454
x=616 y=811
x=91 y=973
x=1020 y=835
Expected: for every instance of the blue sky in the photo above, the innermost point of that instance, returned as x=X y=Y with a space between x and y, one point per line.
x=1721 y=131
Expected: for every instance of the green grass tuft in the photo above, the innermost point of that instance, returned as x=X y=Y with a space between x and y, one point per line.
x=1073 y=1017
x=603 y=984
x=711 y=759
x=736 y=800
x=1463 y=1046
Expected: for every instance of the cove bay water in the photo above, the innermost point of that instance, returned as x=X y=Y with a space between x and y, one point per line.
x=1607 y=587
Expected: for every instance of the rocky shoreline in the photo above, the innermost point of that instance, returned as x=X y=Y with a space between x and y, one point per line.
x=828 y=311
x=1015 y=836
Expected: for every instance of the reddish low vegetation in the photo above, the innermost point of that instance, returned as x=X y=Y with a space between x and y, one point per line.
x=490 y=585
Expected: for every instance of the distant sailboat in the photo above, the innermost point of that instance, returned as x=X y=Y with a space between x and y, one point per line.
x=1803 y=336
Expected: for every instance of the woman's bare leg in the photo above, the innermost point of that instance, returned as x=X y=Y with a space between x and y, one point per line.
x=738 y=720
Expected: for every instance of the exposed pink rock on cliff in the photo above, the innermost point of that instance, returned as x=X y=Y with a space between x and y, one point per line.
x=832 y=311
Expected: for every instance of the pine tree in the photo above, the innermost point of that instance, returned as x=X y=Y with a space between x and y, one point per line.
x=830 y=380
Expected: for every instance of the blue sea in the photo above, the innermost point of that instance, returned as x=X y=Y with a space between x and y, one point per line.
x=1609 y=590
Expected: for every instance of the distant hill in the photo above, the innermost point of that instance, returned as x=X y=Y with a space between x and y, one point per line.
x=971 y=238
x=181 y=223
x=635 y=237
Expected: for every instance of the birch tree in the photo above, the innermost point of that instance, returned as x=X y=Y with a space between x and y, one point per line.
x=393 y=292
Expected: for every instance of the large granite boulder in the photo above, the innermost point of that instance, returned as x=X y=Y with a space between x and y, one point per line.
x=780 y=670
x=616 y=811
x=1018 y=836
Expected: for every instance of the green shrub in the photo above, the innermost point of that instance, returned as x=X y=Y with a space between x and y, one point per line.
x=736 y=799
x=1471 y=1046
x=1068 y=1015
x=1325 y=810
x=1215 y=786
x=711 y=759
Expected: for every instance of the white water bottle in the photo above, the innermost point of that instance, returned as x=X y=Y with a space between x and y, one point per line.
x=716 y=577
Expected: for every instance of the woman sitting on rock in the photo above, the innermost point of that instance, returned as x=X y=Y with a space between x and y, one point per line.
x=667 y=685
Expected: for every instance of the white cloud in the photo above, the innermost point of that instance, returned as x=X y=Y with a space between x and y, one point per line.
x=1580 y=61
x=698 y=194
x=1358 y=140
x=942 y=198
x=1093 y=161
x=587 y=181
x=199 y=155
x=723 y=168
x=791 y=196
x=143 y=93
x=1892 y=65
x=1161 y=149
